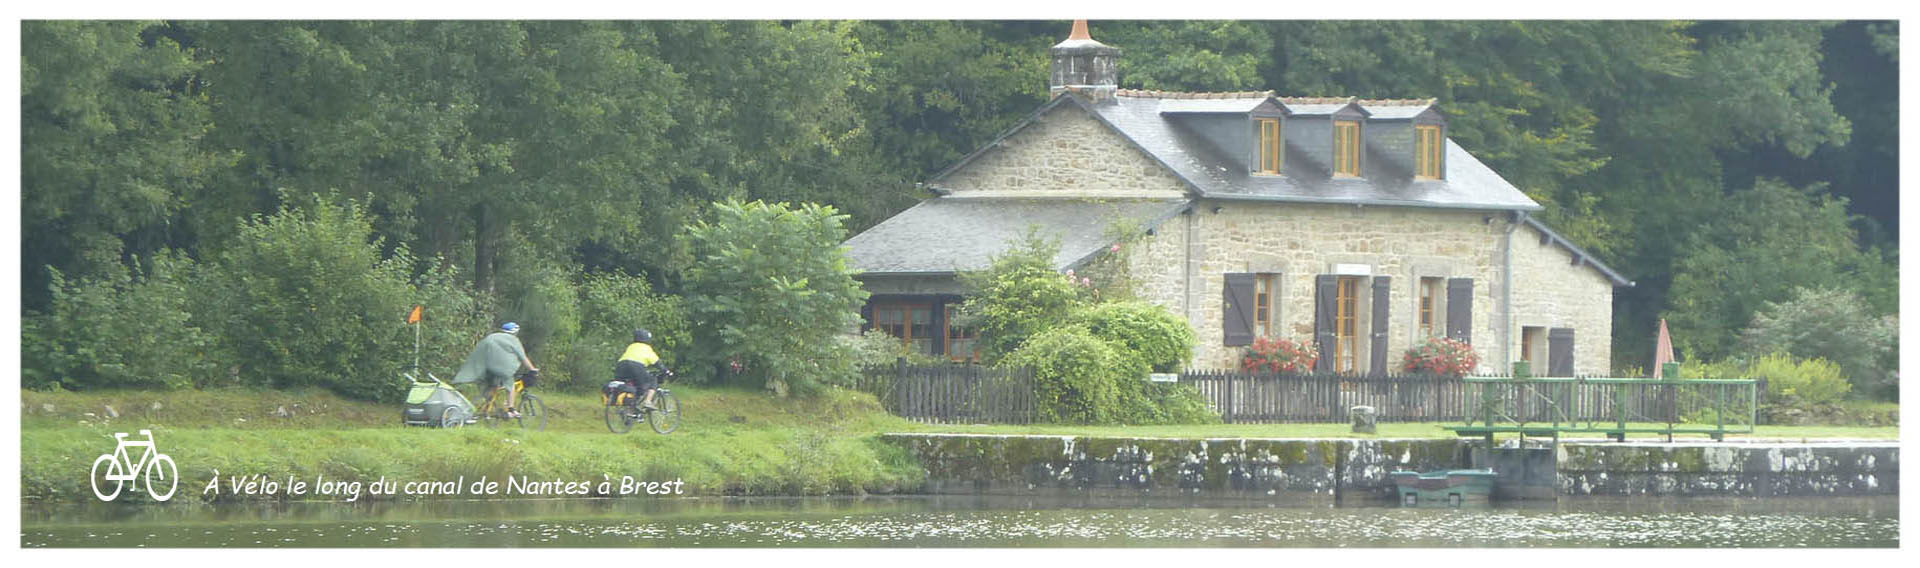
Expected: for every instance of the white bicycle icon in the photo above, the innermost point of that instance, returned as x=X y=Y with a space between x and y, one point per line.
x=121 y=469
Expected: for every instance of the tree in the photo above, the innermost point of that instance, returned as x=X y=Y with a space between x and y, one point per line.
x=1018 y=296
x=768 y=291
x=112 y=119
x=1758 y=247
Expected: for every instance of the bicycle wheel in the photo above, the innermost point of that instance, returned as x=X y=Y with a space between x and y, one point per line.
x=619 y=417
x=98 y=477
x=162 y=466
x=533 y=412
x=452 y=417
x=665 y=416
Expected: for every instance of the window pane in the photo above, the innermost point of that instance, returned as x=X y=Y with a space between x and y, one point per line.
x=921 y=318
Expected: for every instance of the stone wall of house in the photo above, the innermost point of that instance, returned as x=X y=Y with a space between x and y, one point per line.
x=1300 y=241
x=1065 y=149
x=1156 y=267
x=1550 y=292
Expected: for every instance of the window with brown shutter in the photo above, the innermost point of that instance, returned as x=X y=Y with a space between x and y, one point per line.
x=1460 y=309
x=1377 y=347
x=1430 y=294
x=1263 y=295
x=1237 y=303
x=1560 y=352
x=1346 y=336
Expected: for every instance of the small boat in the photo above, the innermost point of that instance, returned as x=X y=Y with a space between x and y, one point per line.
x=1450 y=487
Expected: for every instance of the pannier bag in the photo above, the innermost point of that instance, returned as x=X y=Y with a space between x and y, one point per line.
x=615 y=389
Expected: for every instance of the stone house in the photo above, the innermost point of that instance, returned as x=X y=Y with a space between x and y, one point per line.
x=1355 y=224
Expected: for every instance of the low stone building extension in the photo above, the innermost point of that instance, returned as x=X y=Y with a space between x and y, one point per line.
x=1356 y=225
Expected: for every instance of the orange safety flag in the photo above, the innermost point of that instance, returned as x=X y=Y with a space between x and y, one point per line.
x=418 y=313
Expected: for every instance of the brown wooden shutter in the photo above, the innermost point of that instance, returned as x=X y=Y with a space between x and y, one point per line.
x=1237 y=310
x=1326 y=289
x=1560 y=352
x=1460 y=309
x=1378 y=339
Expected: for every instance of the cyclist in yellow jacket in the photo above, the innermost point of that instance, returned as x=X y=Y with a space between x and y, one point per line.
x=632 y=366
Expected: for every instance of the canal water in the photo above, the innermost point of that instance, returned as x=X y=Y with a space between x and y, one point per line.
x=968 y=522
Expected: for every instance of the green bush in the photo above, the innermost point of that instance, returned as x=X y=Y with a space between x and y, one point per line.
x=767 y=292
x=1833 y=325
x=1162 y=340
x=120 y=331
x=1019 y=296
x=1798 y=383
x=1076 y=375
x=305 y=297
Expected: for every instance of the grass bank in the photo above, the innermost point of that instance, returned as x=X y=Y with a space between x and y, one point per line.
x=731 y=442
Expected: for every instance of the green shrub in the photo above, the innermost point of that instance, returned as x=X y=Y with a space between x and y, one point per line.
x=120 y=331
x=767 y=292
x=1799 y=383
x=1019 y=296
x=305 y=297
x=1833 y=325
x=874 y=348
x=1076 y=375
x=1162 y=340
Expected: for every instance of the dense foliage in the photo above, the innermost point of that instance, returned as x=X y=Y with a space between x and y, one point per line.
x=1019 y=296
x=532 y=154
x=769 y=292
x=1090 y=357
x=1833 y=325
x=1160 y=339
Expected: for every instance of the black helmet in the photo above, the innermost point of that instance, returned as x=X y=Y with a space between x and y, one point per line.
x=642 y=336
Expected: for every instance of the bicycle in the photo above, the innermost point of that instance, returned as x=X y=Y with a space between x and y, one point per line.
x=121 y=468
x=532 y=409
x=623 y=409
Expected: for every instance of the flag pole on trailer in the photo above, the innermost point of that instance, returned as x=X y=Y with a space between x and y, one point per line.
x=413 y=318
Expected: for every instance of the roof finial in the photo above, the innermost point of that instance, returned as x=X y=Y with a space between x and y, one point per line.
x=1079 y=30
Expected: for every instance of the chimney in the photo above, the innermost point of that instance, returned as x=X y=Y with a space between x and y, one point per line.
x=1083 y=65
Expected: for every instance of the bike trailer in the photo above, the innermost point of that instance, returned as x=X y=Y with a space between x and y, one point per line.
x=436 y=404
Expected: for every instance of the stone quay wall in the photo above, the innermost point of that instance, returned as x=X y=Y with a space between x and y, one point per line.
x=1342 y=469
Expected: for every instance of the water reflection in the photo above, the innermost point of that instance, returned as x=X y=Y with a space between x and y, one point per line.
x=966 y=521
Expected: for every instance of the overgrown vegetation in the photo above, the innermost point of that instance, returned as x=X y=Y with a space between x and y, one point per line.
x=769 y=294
x=1090 y=358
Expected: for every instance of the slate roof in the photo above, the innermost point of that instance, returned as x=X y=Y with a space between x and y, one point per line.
x=1468 y=183
x=949 y=234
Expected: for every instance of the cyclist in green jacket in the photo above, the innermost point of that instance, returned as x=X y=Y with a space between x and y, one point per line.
x=494 y=361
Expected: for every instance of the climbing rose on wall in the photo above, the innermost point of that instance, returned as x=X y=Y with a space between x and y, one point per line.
x=1441 y=356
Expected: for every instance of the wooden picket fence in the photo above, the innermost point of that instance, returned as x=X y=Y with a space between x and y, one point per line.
x=1248 y=398
x=954 y=394
x=974 y=394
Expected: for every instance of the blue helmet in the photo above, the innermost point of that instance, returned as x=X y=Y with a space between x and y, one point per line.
x=510 y=327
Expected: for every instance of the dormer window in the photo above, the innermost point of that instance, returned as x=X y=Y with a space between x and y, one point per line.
x=1346 y=148
x=1427 y=147
x=1270 y=146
